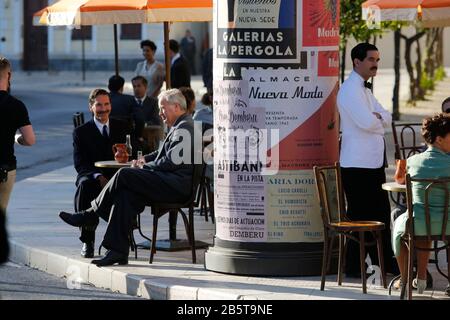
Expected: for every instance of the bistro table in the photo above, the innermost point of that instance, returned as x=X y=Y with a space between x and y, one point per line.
x=171 y=244
x=398 y=188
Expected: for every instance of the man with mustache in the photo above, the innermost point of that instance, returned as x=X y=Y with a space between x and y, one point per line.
x=363 y=154
x=93 y=142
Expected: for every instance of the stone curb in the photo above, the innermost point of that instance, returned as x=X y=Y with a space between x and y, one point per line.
x=115 y=280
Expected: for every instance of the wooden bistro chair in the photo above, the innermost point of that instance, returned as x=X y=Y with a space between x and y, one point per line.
x=336 y=223
x=160 y=209
x=440 y=187
x=407 y=139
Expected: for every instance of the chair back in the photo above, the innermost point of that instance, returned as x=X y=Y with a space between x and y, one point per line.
x=407 y=139
x=78 y=119
x=434 y=196
x=330 y=193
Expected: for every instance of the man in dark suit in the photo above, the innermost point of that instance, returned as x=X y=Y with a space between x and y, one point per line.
x=148 y=106
x=93 y=142
x=164 y=177
x=124 y=107
x=180 y=76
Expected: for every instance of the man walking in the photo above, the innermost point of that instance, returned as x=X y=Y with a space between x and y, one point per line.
x=362 y=156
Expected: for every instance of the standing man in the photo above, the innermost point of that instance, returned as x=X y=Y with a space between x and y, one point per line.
x=188 y=49
x=93 y=142
x=180 y=76
x=363 y=154
x=164 y=177
x=14 y=116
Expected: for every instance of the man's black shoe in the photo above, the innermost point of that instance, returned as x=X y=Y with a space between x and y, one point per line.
x=87 y=251
x=111 y=257
x=81 y=219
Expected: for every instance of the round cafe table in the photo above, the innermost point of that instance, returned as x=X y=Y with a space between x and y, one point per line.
x=394 y=187
x=112 y=164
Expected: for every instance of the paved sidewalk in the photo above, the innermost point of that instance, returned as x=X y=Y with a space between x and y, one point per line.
x=41 y=240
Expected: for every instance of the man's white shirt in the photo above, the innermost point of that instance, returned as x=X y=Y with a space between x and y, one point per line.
x=362 y=144
x=100 y=128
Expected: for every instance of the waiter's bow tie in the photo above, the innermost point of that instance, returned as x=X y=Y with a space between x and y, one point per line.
x=368 y=85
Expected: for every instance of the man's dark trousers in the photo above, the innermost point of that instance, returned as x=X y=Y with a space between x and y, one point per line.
x=366 y=200
x=125 y=196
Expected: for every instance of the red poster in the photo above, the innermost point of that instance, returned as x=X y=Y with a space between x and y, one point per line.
x=328 y=64
x=320 y=23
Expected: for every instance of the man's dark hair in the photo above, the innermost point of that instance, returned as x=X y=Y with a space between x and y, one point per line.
x=174 y=46
x=360 y=51
x=137 y=78
x=447 y=110
x=436 y=126
x=97 y=92
x=189 y=95
x=115 y=83
x=148 y=43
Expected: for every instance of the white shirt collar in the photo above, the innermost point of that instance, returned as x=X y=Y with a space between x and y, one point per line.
x=175 y=57
x=141 y=99
x=357 y=77
x=100 y=125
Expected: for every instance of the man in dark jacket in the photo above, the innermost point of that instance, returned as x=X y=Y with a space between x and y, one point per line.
x=93 y=142
x=180 y=76
x=124 y=107
x=163 y=177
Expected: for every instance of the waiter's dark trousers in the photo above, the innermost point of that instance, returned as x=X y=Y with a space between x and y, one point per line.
x=366 y=200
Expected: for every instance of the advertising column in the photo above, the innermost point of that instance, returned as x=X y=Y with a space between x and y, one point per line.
x=276 y=67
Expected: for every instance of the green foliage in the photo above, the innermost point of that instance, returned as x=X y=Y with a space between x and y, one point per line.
x=440 y=74
x=352 y=24
x=427 y=83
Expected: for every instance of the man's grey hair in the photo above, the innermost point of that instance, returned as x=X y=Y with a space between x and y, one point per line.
x=5 y=65
x=173 y=96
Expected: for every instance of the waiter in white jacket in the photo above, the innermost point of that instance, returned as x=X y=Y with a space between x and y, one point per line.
x=363 y=154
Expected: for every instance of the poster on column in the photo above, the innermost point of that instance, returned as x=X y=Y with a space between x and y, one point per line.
x=288 y=81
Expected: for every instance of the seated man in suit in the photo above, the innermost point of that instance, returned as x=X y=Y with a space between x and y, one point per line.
x=180 y=76
x=164 y=177
x=93 y=142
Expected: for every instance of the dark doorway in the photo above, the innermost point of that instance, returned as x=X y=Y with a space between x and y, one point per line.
x=35 y=46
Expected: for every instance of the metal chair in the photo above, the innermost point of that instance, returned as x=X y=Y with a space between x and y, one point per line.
x=336 y=223
x=440 y=187
x=406 y=144
x=78 y=119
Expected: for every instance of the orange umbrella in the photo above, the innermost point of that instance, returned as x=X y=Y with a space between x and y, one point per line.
x=432 y=13
x=94 y=12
